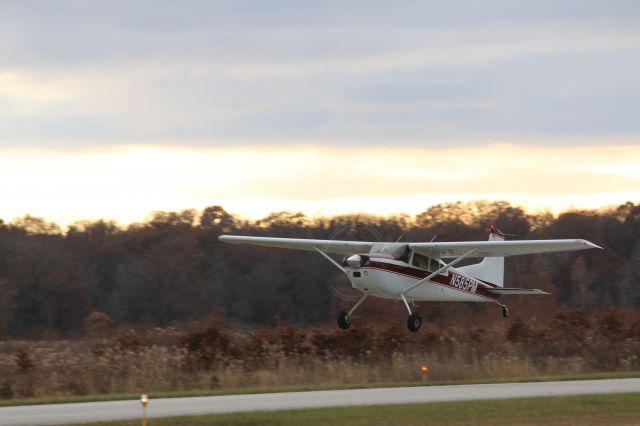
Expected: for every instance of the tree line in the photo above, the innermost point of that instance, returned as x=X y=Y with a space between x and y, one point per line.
x=172 y=270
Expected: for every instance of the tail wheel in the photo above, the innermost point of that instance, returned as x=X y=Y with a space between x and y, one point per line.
x=414 y=322
x=505 y=312
x=344 y=320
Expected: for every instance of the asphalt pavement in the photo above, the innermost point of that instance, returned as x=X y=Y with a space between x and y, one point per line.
x=165 y=407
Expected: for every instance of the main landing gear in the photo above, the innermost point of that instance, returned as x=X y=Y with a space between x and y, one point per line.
x=414 y=322
x=344 y=318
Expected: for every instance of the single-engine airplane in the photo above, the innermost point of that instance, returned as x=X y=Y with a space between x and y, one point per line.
x=416 y=272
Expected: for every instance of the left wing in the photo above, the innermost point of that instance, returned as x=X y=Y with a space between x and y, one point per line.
x=327 y=246
x=498 y=248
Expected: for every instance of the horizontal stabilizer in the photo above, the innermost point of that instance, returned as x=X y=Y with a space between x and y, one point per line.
x=516 y=291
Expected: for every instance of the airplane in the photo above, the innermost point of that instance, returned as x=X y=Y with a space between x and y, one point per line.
x=419 y=272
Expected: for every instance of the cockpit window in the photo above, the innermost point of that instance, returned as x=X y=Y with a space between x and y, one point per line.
x=398 y=251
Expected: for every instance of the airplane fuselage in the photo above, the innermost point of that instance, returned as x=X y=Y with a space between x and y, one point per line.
x=387 y=278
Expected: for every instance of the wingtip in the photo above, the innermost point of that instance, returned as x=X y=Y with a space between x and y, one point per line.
x=591 y=245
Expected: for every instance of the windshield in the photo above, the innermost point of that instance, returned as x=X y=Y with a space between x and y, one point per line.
x=397 y=250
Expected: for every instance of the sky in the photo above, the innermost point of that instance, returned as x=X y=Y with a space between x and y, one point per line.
x=114 y=109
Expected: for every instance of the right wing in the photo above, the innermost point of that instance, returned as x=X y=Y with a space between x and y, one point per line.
x=499 y=248
x=327 y=246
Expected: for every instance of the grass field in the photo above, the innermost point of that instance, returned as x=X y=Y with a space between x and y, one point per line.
x=208 y=359
x=623 y=409
x=253 y=390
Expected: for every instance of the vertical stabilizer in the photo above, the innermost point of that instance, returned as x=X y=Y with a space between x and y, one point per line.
x=491 y=269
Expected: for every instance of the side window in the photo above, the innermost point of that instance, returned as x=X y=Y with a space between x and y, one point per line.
x=426 y=263
x=420 y=261
x=435 y=265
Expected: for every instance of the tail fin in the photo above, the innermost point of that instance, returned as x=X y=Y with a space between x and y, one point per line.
x=491 y=269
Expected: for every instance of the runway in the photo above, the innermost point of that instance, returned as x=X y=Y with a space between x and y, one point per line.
x=119 y=410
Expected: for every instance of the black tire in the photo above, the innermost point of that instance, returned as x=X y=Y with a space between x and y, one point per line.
x=344 y=320
x=414 y=322
x=505 y=312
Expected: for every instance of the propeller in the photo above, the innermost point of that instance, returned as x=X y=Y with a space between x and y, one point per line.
x=354 y=260
x=343 y=294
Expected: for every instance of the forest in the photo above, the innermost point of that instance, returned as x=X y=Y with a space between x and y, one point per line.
x=171 y=270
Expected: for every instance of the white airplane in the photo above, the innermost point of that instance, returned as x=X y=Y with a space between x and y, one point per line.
x=417 y=272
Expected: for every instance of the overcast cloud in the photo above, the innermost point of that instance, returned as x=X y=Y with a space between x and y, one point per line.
x=87 y=74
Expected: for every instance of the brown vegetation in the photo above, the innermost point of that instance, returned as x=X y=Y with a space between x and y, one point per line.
x=210 y=356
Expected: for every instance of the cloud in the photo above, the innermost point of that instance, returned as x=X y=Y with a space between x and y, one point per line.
x=78 y=74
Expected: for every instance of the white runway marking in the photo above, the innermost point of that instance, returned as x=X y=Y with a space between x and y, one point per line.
x=119 y=410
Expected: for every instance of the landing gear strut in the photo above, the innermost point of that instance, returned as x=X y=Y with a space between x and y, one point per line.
x=505 y=311
x=344 y=318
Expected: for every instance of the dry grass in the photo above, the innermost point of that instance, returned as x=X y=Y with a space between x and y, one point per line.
x=207 y=357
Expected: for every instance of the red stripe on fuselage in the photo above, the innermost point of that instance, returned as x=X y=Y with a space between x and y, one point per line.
x=444 y=280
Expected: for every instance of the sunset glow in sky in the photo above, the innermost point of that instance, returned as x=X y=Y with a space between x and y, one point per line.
x=116 y=109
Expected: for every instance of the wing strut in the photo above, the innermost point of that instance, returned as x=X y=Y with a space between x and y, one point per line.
x=330 y=259
x=439 y=271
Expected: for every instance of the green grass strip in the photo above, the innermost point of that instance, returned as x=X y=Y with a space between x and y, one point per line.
x=622 y=409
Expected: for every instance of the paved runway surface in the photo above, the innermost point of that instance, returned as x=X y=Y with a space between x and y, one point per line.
x=117 y=410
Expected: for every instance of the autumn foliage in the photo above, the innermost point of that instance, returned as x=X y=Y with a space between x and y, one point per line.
x=163 y=305
x=172 y=270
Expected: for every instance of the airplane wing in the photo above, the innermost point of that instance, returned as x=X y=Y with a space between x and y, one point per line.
x=438 y=250
x=327 y=246
x=499 y=248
